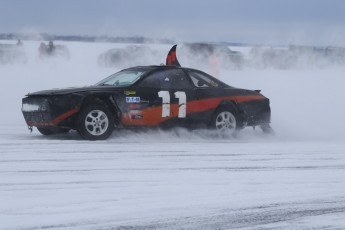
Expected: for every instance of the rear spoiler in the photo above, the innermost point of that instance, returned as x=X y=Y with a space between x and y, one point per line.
x=171 y=58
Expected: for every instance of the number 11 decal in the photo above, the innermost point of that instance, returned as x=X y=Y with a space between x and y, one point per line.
x=181 y=103
x=182 y=99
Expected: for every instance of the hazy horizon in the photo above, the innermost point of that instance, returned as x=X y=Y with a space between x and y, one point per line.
x=317 y=22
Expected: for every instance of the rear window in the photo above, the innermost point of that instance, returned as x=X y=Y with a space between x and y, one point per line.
x=167 y=79
x=201 y=80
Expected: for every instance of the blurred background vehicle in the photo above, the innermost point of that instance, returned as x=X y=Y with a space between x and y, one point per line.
x=132 y=55
x=52 y=50
x=207 y=54
x=12 y=53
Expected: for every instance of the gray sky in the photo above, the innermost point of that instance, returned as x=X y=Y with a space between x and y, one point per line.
x=318 y=22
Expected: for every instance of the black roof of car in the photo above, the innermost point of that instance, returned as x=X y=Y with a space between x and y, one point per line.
x=152 y=67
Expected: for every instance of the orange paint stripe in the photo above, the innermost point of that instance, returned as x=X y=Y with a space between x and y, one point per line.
x=248 y=98
x=63 y=116
x=57 y=120
x=153 y=116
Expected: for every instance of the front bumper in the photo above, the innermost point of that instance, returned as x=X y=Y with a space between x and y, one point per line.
x=43 y=111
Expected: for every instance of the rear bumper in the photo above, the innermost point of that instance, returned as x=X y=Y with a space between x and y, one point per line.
x=257 y=112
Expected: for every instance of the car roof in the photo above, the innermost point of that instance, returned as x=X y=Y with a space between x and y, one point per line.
x=161 y=67
x=166 y=67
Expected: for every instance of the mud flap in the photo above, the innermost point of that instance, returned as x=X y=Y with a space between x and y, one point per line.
x=266 y=128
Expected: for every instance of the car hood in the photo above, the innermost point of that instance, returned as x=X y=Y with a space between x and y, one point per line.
x=88 y=89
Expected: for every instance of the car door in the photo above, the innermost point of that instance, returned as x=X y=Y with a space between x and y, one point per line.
x=164 y=95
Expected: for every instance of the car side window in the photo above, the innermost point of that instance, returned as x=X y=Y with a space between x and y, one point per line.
x=201 y=80
x=167 y=79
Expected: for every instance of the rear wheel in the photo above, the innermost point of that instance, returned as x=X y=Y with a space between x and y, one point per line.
x=226 y=121
x=52 y=130
x=95 y=122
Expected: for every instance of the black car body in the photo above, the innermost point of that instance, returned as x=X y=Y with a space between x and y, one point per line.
x=147 y=96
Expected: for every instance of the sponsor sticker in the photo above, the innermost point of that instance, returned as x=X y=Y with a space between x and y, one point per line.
x=137 y=116
x=130 y=92
x=132 y=99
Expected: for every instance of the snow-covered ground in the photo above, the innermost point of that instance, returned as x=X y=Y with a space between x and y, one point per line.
x=176 y=179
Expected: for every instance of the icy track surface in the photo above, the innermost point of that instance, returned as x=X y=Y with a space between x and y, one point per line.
x=176 y=179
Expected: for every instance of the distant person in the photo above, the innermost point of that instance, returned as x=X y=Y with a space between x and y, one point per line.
x=19 y=42
x=51 y=47
x=42 y=49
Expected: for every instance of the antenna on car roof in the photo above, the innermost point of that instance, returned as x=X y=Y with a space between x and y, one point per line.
x=171 y=58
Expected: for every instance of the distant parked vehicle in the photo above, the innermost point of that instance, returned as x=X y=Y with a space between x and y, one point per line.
x=294 y=56
x=202 y=54
x=269 y=57
x=133 y=55
x=52 y=50
x=12 y=53
x=335 y=54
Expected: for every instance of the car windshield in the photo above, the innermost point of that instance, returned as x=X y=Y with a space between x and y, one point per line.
x=122 y=79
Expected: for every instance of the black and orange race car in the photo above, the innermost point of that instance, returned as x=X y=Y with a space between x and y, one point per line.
x=147 y=96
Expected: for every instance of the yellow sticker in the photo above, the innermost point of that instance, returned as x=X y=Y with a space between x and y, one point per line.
x=130 y=92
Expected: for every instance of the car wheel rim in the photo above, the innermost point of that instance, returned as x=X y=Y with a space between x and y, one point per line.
x=225 y=121
x=96 y=122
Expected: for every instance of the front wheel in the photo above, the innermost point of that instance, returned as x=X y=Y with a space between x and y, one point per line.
x=95 y=122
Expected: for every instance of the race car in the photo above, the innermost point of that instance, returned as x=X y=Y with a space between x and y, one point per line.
x=147 y=96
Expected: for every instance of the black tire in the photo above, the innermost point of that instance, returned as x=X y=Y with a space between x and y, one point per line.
x=95 y=122
x=52 y=130
x=226 y=120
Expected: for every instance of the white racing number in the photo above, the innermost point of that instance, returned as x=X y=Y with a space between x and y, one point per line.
x=165 y=103
x=182 y=99
x=181 y=103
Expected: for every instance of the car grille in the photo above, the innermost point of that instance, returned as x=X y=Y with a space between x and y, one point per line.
x=37 y=117
x=36 y=111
